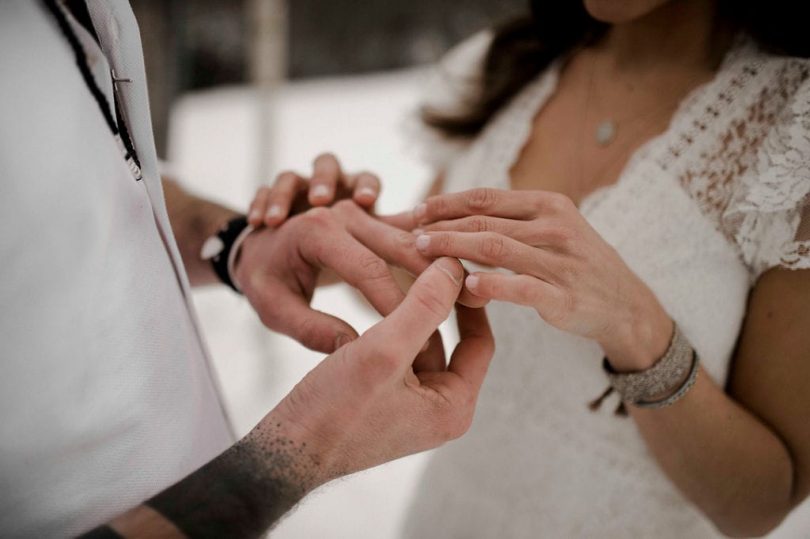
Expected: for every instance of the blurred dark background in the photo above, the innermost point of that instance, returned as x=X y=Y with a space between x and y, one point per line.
x=197 y=44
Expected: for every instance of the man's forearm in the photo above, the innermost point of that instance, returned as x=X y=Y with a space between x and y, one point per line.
x=240 y=494
x=193 y=220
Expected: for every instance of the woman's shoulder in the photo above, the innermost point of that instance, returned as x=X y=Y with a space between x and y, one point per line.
x=769 y=208
x=741 y=149
x=749 y=66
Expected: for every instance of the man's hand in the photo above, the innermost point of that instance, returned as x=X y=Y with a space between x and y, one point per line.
x=364 y=405
x=278 y=270
x=368 y=403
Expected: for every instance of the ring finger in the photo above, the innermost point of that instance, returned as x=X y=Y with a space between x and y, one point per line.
x=489 y=248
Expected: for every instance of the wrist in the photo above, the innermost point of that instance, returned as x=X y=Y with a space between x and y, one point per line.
x=221 y=249
x=240 y=269
x=293 y=455
x=245 y=490
x=641 y=340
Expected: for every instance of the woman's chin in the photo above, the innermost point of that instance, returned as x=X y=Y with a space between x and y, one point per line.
x=621 y=11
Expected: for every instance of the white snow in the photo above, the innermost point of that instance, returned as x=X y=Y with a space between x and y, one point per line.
x=213 y=145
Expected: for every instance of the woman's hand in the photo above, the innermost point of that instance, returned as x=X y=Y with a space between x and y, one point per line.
x=293 y=194
x=563 y=268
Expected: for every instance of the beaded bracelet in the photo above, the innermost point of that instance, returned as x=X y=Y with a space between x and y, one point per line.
x=681 y=391
x=673 y=376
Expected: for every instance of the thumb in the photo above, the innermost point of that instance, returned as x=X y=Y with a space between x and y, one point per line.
x=428 y=304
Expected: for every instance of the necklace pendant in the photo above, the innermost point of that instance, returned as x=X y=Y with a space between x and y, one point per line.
x=605 y=132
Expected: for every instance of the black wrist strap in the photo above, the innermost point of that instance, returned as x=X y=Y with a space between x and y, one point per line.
x=228 y=236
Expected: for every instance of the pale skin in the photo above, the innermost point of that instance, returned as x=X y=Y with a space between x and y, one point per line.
x=741 y=454
x=282 y=268
x=377 y=397
x=194 y=219
x=367 y=403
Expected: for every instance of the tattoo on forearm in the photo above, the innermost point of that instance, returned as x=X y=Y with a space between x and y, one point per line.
x=243 y=492
x=240 y=494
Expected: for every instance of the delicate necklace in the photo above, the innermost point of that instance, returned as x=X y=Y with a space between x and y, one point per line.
x=607 y=132
x=607 y=129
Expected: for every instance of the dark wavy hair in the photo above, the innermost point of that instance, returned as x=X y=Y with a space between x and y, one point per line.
x=525 y=46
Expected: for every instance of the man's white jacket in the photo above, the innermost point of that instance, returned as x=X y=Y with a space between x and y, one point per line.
x=106 y=392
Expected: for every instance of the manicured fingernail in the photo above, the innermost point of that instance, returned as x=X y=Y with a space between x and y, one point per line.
x=274 y=211
x=367 y=192
x=254 y=215
x=320 y=191
x=423 y=242
x=451 y=268
x=417 y=231
x=420 y=211
x=472 y=281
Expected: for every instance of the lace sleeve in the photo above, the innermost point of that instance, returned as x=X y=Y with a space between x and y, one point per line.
x=448 y=89
x=770 y=212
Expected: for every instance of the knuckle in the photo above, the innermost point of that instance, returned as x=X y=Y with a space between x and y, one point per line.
x=373 y=267
x=479 y=224
x=526 y=290
x=377 y=367
x=563 y=311
x=441 y=243
x=319 y=217
x=558 y=202
x=436 y=206
x=388 y=362
x=481 y=199
x=560 y=236
x=404 y=240
x=310 y=334
x=493 y=247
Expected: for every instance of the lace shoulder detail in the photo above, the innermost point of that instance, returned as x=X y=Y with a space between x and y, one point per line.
x=742 y=152
x=449 y=88
x=770 y=211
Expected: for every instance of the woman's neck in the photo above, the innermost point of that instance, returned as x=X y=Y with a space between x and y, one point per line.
x=679 y=34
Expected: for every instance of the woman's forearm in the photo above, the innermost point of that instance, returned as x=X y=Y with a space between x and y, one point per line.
x=723 y=458
x=744 y=461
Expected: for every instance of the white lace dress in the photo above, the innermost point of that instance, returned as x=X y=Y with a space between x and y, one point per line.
x=698 y=213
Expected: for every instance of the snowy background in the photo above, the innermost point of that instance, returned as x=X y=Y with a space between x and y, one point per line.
x=363 y=120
